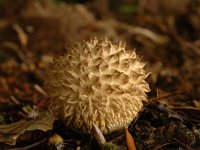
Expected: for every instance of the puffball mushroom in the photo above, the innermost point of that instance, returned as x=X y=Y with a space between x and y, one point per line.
x=97 y=82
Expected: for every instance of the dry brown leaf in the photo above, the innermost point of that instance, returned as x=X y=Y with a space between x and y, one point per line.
x=129 y=140
x=196 y=103
x=10 y=133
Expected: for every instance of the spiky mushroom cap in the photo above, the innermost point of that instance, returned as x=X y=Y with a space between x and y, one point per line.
x=97 y=82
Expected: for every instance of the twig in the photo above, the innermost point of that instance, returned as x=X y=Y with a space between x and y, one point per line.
x=182 y=144
x=114 y=140
x=163 y=97
x=161 y=146
x=14 y=100
x=160 y=39
x=29 y=146
x=14 y=48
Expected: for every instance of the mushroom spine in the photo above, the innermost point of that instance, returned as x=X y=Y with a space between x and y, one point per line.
x=97 y=82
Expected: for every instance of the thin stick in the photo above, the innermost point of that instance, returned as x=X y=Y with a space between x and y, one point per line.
x=182 y=144
x=162 y=97
x=29 y=146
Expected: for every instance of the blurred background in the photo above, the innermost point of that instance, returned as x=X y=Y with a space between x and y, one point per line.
x=165 y=34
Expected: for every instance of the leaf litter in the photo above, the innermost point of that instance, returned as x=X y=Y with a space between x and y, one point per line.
x=10 y=133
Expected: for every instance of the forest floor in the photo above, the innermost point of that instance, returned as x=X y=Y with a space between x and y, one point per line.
x=165 y=34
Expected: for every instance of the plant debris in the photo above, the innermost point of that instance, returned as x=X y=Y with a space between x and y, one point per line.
x=10 y=133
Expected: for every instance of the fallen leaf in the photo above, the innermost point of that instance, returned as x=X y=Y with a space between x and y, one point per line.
x=10 y=133
x=129 y=140
x=196 y=103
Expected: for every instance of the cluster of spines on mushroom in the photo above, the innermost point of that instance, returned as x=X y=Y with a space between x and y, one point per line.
x=98 y=82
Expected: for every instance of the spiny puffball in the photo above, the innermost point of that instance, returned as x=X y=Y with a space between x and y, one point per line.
x=97 y=82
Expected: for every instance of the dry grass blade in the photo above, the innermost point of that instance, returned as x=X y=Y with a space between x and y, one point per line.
x=98 y=135
x=14 y=48
x=157 y=38
x=191 y=113
x=29 y=146
x=40 y=89
x=22 y=35
x=129 y=140
x=163 y=97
